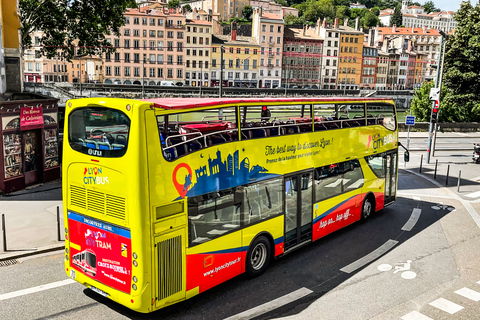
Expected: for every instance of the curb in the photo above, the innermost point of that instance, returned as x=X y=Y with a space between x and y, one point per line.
x=16 y=255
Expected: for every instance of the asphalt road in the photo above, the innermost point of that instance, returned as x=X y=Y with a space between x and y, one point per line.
x=456 y=141
x=426 y=226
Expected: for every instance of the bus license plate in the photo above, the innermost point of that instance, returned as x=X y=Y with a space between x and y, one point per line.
x=103 y=293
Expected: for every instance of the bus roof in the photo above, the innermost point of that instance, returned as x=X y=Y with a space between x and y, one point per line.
x=188 y=103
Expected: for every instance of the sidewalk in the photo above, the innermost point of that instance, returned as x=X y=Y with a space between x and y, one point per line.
x=31 y=220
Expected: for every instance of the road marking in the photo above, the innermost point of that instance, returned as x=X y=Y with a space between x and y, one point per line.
x=422 y=195
x=476 y=179
x=47 y=286
x=417 y=198
x=413 y=220
x=415 y=315
x=470 y=209
x=469 y=293
x=272 y=305
x=369 y=257
x=445 y=305
x=473 y=194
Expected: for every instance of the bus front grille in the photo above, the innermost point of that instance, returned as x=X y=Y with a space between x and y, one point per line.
x=98 y=202
x=169 y=254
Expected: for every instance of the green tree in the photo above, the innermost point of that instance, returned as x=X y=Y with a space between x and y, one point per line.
x=369 y=3
x=429 y=6
x=375 y=11
x=187 y=8
x=71 y=23
x=282 y=2
x=462 y=64
x=173 y=4
x=247 y=12
x=396 y=19
x=369 y=20
x=342 y=12
x=345 y=3
x=422 y=105
x=291 y=19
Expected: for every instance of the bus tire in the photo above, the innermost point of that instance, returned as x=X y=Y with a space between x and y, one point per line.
x=367 y=207
x=258 y=256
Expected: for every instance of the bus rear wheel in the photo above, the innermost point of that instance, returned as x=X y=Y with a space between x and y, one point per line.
x=367 y=208
x=258 y=256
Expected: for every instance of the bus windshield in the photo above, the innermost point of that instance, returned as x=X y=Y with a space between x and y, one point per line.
x=99 y=131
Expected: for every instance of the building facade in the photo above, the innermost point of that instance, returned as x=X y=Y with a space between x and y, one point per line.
x=350 y=58
x=302 y=57
x=331 y=47
x=149 y=50
x=267 y=30
x=197 y=52
x=240 y=61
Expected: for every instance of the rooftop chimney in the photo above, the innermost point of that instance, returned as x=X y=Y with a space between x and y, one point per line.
x=337 y=21
x=234 y=31
x=372 y=37
x=345 y=22
x=357 y=23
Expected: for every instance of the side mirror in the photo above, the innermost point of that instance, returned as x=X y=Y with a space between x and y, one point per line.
x=406 y=156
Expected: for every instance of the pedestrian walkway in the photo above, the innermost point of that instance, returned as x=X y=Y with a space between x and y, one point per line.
x=30 y=218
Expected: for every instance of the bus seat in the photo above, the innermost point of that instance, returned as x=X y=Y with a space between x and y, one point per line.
x=217 y=139
x=170 y=153
x=194 y=145
x=121 y=139
x=258 y=133
x=319 y=126
x=291 y=129
x=116 y=146
x=90 y=144
x=103 y=145
x=274 y=131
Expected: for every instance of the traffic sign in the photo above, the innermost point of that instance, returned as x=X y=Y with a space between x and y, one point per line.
x=434 y=94
x=410 y=120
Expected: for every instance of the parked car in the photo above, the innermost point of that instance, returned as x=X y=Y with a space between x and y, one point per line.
x=306 y=87
x=167 y=83
x=314 y=87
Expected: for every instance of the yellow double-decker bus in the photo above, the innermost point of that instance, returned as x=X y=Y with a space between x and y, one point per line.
x=166 y=198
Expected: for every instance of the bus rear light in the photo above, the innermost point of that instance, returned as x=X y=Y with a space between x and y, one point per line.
x=135 y=279
x=72 y=274
x=131 y=301
x=66 y=250
x=135 y=263
x=66 y=237
x=135 y=256
x=128 y=107
x=66 y=257
x=134 y=286
x=66 y=230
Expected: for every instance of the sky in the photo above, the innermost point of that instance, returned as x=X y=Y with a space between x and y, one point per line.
x=449 y=5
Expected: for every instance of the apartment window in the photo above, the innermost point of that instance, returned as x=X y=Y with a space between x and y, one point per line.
x=117 y=71
x=117 y=57
x=238 y=50
x=169 y=59
x=214 y=63
x=159 y=45
x=144 y=33
x=237 y=63
x=136 y=57
x=144 y=21
x=179 y=60
x=126 y=44
x=160 y=34
x=179 y=73
x=127 y=71
x=152 y=45
x=279 y=29
x=159 y=58
x=169 y=45
x=136 y=72
x=160 y=22
x=264 y=27
x=136 y=33
x=279 y=40
x=136 y=20
x=271 y=28
x=179 y=47
x=108 y=70
x=160 y=72
x=169 y=73
x=151 y=72
x=152 y=58
x=126 y=32
x=152 y=33
x=127 y=57
x=230 y=63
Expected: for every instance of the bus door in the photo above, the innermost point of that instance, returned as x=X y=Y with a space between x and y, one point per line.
x=390 y=165
x=298 y=209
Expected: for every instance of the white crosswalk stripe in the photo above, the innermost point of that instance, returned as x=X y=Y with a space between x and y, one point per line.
x=469 y=293
x=415 y=315
x=446 y=305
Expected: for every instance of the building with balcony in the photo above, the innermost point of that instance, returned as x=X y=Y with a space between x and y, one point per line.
x=381 y=74
x=38 y=68
x=267 y=29
x=369 y=67
x=350 y=57
x=424 y=41
x=150 y=48
x=240 y=61
x=198 y=43
x=302 y=57
x=331 y=47
x=416 y=17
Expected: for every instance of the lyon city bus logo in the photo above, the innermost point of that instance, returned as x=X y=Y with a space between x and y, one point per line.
x=182 y=188
x=377 y=141
x=94 y=175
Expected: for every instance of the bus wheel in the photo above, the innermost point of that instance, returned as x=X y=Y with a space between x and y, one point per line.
x=258 y=256
x=367 y=208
